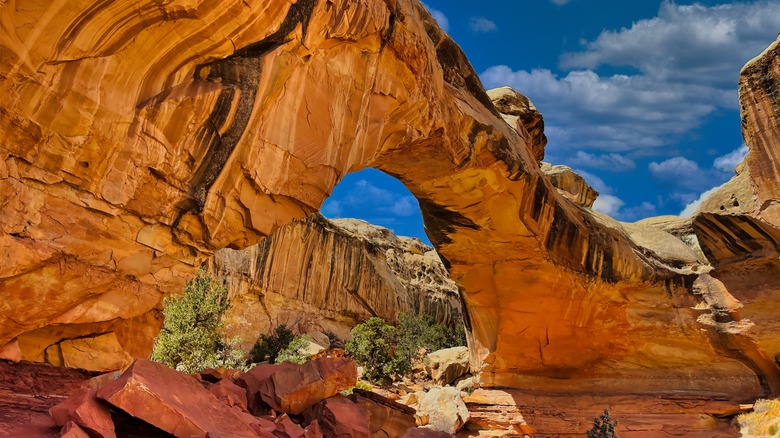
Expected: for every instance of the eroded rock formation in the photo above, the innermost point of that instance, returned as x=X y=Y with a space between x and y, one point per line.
x=141 y=137
x=329 y=275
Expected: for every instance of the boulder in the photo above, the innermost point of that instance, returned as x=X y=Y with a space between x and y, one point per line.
x=85 y=410
x=98 y=353
x=11 y=351
x=296 y=388
x=445 y=366
x=172 y=401
x=442 y=409
x=286 y=428
x=387 y=418
x=254 y=380
x=339 y=417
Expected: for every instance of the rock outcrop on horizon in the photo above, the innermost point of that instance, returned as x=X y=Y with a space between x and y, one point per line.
x=329 y=275
x=140 y=138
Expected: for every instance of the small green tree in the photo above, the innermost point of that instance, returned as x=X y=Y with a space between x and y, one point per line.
x=371 y=346
x=603 y=426
x=189 y=340
x=268 y=347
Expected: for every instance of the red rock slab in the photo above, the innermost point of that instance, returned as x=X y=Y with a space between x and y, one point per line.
x=172 y=401
x=388 y=419
x=286 y=428
x=339 y=417
x=254 y=379
x=72 y=430
x=87 y=411
x=296 y=389
x=313 y=430
x=229 y=393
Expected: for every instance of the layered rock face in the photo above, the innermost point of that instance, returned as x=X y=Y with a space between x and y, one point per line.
x=141 y=137
x=329 y=275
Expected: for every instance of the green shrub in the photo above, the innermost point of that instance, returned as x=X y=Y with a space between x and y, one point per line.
x=359 y=385
x=189 y=340
x=293 y=351
x=269 y=347
x=603 y=426
x=384 y=350
x=370 y=347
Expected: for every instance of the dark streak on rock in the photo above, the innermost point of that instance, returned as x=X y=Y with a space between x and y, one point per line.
x=440 y=222
x=239 y=75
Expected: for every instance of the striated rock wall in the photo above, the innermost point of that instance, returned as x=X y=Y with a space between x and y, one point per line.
x=329 y=275
x=139 y=138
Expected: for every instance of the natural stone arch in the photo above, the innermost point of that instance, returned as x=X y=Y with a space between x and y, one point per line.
x=139 y=148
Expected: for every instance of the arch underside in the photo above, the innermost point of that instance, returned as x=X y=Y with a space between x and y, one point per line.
x=136 y=147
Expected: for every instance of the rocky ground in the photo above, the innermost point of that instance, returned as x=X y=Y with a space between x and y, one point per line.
x=29 y=390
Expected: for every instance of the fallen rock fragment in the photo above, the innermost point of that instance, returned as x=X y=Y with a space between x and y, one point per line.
x=172 y=401
x=387 y=418
x=296 y=388
x=85 y=410
x=72 y=430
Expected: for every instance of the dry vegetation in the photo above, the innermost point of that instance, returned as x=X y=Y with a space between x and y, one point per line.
x=764 y=421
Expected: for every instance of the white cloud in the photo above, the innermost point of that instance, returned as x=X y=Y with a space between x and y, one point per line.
x=440 y=18
x=482 y=25
x=641 y=211
x=608 y=204
x=684 y=65
x=728 y=162
x=687 y=43
x=612 y=162
x=405 y=206
x=682 y=173
x=691 y=208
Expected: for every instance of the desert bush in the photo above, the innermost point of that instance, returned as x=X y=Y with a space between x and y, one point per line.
x=280 y=346
x=371 y=346
x=384 y=350
x=292 y=353
x=190 y=340
x=764 y=420
x=603 y=426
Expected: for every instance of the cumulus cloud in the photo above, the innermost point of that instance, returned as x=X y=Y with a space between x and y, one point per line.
x=439 y=16
x=608 y=204
x=482 y=25
x=612 y=162
x=683 y=173
x=728 y=162
x=684 y=65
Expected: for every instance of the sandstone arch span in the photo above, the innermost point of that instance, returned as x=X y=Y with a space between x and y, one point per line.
x=141 y=137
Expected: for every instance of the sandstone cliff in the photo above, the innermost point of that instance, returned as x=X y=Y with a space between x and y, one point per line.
x=329 y=275
x=140 y=137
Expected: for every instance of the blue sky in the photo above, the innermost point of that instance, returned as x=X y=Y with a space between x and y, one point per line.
x=640 y=97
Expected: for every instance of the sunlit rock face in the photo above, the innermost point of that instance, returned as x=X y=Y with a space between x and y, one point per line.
x=330 y=275
x=139 y=138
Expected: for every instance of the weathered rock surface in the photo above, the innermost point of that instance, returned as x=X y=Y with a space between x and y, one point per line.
x=140 y=138
x=570 y=184
x=521 y=114
x=444 y=366
x=330 y=275
x=172 y=401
